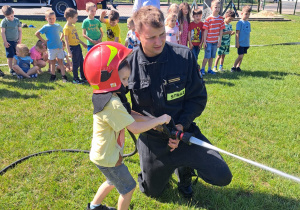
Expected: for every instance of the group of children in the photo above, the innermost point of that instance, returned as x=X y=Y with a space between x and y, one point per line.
x=51 y=49
x=213 y=35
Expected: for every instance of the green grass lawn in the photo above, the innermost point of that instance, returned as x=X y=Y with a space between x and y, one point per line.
x=254 y=114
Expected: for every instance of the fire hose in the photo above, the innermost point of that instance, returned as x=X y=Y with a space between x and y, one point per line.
x=189 y=139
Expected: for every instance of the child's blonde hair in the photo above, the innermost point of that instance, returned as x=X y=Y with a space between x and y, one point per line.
x=7 y=10
x=246 y=9
x=23 y=49
x=173 y=7
x=49 y=12
x=89 y=5
x=214 y=2
x=130 y=21
x=170 y=17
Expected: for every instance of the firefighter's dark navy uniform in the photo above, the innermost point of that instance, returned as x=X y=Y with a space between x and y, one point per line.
x=170 y=84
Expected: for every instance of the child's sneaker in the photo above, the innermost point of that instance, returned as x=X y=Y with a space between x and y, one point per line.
x=34 y=76
x=1 y=73
x=101 y=207
x=221 y=69
x=215 y=69
x=238 y=69
x=211 y=72
x=202 y=72
x=20 y=77
x=64 y=78
x=52 y=78
x=233 y=69
x=83 y=80
x=77 y=81
x=12 y=72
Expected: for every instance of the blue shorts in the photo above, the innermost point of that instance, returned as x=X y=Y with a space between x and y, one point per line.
x=89 y=47
x=120 y=177
x=11 y=50
x=211 y=50
x=242 y=50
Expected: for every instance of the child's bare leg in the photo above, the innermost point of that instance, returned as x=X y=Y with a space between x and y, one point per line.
x=61 y=66
x=239 y=58
x=10 y=63
x=240 y=62
x=204 y=63
x=124 y=200
x=217 y=60
x=52 y=66
x=102 y=192
x=41 y=64
x=19 y=71
x=33 y=70
x=210 y=62
x=222 y=59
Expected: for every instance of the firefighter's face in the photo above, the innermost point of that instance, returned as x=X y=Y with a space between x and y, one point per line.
x=152 y=39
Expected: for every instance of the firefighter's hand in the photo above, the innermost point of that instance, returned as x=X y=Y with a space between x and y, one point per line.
x=173 y=143
x=179 y=127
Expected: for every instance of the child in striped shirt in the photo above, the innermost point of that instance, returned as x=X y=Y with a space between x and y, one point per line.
x=212 y=37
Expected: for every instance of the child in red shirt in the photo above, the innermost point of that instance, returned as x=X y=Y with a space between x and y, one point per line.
x=195 y=36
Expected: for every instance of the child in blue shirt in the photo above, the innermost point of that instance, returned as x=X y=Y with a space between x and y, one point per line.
x=242 y=38
x=22 y=61
x=11 y=32
x=52 y=31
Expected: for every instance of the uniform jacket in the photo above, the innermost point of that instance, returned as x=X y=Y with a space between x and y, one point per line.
x=170 y=85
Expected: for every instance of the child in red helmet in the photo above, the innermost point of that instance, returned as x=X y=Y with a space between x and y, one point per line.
x=107 y=71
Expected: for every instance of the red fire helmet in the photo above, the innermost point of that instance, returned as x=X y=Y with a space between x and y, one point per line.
x=101 y=66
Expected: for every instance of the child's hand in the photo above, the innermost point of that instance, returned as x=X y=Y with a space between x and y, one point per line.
x=95 y=41
x=200 y=45
x=6 y=44
x=232 y=32
x=219 y=44
x=204 y=45
x=19 y=42
x=237 y=45
x=191 y=45
x=84 y=45
x=103 y=13
x=164 y=119
x=69 y=55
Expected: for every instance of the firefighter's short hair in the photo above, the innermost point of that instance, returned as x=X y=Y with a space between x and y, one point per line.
x=148 y=15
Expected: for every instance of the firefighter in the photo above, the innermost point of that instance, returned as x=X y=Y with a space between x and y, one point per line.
x=165 y=80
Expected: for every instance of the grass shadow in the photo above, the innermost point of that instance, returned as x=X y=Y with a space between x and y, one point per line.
x=212 y=197
x=15 y=94
x=42 y=82
x=274 y=75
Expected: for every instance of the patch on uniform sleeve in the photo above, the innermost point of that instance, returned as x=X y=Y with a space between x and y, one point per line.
x=175 y=95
